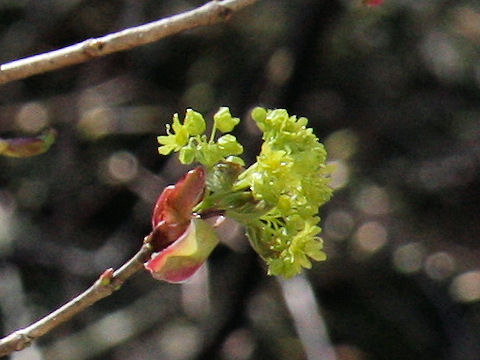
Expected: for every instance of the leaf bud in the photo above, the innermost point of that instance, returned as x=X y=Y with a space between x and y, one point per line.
x=259 y=114
x=181 y=259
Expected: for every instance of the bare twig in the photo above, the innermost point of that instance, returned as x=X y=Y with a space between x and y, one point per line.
x=108 y=282
x=210 y=13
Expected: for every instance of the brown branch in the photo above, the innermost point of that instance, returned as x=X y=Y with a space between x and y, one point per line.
x=107 y=283
x=210 y=13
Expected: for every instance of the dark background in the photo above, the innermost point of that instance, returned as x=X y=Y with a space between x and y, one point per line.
x=392 y=91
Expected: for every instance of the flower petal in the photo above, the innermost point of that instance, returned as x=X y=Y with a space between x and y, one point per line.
x=181 y=259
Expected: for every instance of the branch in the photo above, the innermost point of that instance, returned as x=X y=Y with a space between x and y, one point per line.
x=210 y=13
x=107 y=283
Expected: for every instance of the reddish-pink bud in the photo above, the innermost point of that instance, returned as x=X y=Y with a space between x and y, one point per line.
x=372 y=2
x=180 y=241
x=106 y=276
x=173 y=210
x=176 y=201
x=181 y=259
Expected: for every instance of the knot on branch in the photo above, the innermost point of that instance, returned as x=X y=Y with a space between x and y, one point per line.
x=93 y=47
x=223 y=12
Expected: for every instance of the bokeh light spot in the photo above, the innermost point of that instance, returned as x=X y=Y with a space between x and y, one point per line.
x=439 y=266
x=238 y=346
x=341 y=144
x=122 y=167
x=200 y=96
x=340 y=175
x=280 y=66
x=373 y=200
x=338 y=225
x=467 y=22
x=369 y=238
x=32 y=117
x=96 y=122
x=442 y=57
x=447 y=172
x=409 y=258
x=180 y=341
x=466 y=287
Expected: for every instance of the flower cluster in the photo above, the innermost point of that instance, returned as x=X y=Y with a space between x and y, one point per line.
x=291 y=177
x=190 y=141
x=276 y=198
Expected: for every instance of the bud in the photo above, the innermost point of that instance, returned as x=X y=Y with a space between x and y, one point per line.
x=194 y=122
x=259 y=114
x=27 y=146
x=372 y=2
x=182 y=258
x=186 y=155
x=224 y=120
x=180 y=241
x=229 y=145
x=173 y=210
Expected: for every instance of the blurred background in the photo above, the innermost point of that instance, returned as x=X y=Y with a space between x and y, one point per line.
x=392 y=91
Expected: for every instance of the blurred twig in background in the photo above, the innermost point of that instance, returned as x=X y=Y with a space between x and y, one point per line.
x=306 y=314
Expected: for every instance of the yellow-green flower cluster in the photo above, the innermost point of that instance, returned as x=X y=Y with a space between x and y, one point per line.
x=276 y=198
x=192 y=144
x=291 y=177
